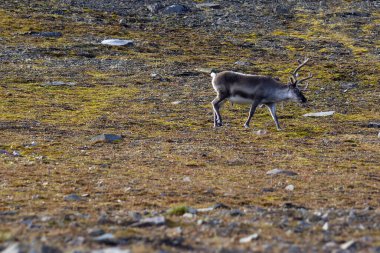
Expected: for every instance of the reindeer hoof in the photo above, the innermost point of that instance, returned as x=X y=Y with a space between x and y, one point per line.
x=246 y=126
x=218 y=125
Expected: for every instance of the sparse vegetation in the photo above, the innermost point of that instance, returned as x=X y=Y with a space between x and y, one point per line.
x=49 y=127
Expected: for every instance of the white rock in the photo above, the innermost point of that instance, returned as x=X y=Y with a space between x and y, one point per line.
x=111 y=250
x=13 y=248
x=325 y=226
x=347 y=245
x=249 y=238
x=261 y=132
x=117 y=42
x=319 y=114
x=186 y=179
x=204 y=210
x=188 y=215
x=176 y=102
x=378 y=135
x=289 y=187
x=279 y=171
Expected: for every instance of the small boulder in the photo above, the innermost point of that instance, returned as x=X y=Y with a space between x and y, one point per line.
x=45 y=34
x=283 y=172
x=208 y=6
x=249 y=238
x=108 y=138
x=176 y=9
x=154 y=8
x=319 y=114
x=117 y=42
x=72 y=197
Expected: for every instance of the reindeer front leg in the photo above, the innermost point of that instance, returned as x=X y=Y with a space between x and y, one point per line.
x=216 y=106
x=272 y=110
x=251 y=112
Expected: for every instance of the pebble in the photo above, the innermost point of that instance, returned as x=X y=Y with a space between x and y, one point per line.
x=16 y=153
x=111 y=250
x=283 y=172
x=117 y=42
x=261 y=132
x=106 y=239
x=208 y=5
x=108 y=138
x=176 y=102
x=95 y=231
x=249 y=238
x=59 y=83
x=289 y=187
x=46 y=34
x=326 y=226
x=154 y=8
x=151 y=221
x=176 y=9
x=347 y=245
x=319 y=114
x=72 y=197
x=374 y=124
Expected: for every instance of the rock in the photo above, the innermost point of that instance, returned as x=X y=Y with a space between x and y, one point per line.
x=176 y=9
x=13 y=248
x=59 y=83
x=374 y=124
x=49 y=249
x=204 y=210
x=4 y=152
x=348 y=86
x=204 y=70
x=208 y=6
x=186 y=179
x=111 y=250
x=378 y=136
x=281 y=10
x=260 y=132
x=176 y=102
x=106 y=239
x=249 y=238
x=108 y=138
x=220 y=206
x=45 y=34
x=243 y=63
x=117 y=42
x=154 y=8
x=289 y=187
x=347 y=245
x=283 y=172
x=319 y=114
x=188 y=215
x=236 y=212
x=153 y=221
x=16 y=153
x=123 y=22
x=294 y=249
x=95 y=231
x=326 y=226
x=72 y=197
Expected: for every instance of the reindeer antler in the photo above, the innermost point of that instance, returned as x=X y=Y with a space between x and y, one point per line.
x=293 y=77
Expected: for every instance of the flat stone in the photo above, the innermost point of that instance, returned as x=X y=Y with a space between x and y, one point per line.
x=374 y=124
x=347 y=245
x=59 y=83
x=282 y=172
x=176 y=9
x=46 y=34
x=108 y=138
x=72 y=197
x=204 y=70
x=151 y=221
x=249 y=238
x=208 y=5
x=111 y=250
x=106 y=239
x=117 y=42
x=13 y=248
x=319 y=114
x=154 y=8
x=289 y=187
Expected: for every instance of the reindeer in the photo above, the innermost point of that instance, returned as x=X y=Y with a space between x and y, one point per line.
x=255 y=90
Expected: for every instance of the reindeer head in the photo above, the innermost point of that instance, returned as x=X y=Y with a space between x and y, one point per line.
x=293 y=85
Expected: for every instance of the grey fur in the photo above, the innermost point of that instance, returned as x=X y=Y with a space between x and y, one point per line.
x=254 y=89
